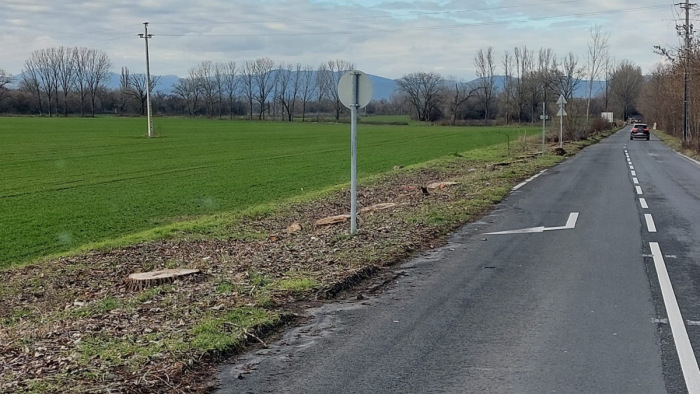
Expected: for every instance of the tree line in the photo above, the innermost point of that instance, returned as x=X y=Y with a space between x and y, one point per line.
x=520 y=86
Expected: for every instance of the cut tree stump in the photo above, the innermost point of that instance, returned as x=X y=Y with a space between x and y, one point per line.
x=140 y=280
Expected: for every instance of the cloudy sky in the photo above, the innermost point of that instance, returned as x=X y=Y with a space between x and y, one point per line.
x=389 y=38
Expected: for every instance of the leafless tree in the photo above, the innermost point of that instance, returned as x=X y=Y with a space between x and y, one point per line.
x=204 y=75
x=569 y=75
x=323 y=82
x=219 y=78
x=456 y=95
x=64 y=62
x=507 y=84
x=423 y=92
x=190 y=90
x=523 y=64
x=306 y=87
x=5 y=79
x=92 y=70
x=596 y=58
x=336 y=70
x=248 y=74
x=137 y=89
x=230 y=84
x=625 y=85
x=485 y=71
x=288 y=88
x=264 y=78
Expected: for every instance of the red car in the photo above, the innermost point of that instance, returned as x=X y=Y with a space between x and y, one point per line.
x=639 y=130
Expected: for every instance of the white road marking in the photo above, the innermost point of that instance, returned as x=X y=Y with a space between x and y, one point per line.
x=521 y=184
x=570 y=224
x=689 y=364
x=631 y=167
x=639 y=189
x=693 y=322
x=634 y=173
x=636 y=181
x=643 y=203
x=688 y=158
x=650 y=223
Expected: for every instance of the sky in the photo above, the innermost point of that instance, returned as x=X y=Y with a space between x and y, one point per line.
x=388 y=38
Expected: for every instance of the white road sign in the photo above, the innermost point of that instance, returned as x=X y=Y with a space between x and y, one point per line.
x=358 y=94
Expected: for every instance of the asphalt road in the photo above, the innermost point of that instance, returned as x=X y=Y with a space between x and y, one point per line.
x=565 y=297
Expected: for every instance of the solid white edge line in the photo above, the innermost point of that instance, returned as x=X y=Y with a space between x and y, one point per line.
x=650 y=223
x=643 y=202
x=523 y=183
x=689 y=365
x=639 y=189
x=688 y=158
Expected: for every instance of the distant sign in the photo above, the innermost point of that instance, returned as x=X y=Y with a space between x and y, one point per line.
x=607 y=116
x=355 y=89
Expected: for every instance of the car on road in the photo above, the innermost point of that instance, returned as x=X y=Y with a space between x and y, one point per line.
x=639 y=130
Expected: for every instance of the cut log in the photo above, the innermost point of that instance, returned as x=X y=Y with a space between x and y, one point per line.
x=441 y=185
x=332 y=220
x=140 y=280
x=293 y=228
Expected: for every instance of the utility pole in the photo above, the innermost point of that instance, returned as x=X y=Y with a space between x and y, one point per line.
x=146 y=36
x=687 y=31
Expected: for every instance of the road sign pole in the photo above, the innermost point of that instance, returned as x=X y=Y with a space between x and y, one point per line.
x=561 y=127
x=544 y=122
x=355 y=92
x=353 y=154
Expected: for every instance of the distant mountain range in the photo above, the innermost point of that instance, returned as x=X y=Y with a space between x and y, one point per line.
x=382 y=88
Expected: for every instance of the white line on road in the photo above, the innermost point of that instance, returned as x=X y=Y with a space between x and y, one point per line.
x=639 y=189
x=631 y=167
x=689 y=364
x=636 y=181
x=521 y=184
x=643 y=203
x=634 y=173
x=650 y=223
x=570 y=224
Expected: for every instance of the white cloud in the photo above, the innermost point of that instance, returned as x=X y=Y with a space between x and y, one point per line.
x=387 y=38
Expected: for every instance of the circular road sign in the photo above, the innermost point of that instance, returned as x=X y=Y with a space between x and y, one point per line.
x=346 y=89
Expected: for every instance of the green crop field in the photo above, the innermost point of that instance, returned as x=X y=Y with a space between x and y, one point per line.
x=68 y=182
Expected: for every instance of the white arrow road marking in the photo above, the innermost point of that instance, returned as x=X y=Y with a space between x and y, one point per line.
x=689 y=364
x=570 y=224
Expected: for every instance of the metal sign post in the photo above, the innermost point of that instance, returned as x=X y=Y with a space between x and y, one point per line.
x=355 y=92
x=561 y=114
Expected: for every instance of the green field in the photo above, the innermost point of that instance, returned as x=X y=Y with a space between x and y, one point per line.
x=68 y=182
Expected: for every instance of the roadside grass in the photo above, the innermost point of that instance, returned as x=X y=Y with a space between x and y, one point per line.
x=79 y=184
x=676 y=144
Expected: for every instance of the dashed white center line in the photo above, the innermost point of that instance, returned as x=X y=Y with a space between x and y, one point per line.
x=643 y=203
x=650 y=223
x=636 y=181
x=631 y=167
x=634 y=173
x=639 y=189
x=689 y=364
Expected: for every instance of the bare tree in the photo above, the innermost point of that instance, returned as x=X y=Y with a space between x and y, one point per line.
x=91 y=71
x=189 y=90
x=288 y=88
x=5 y=79
x=596 y=58
x=137 y=89
x=625 y=85
x=423 y=92
x=64 y=61
x=522 y=62
x=456 y=96
x=264 y=78
x=231 y=83
x=323 y=82
x=507 y=84
x=337 y=68
x=248 y=84
x=204 y=75
x=306 y=87
x=485 y=71
x=569 y=76
x=219 y=75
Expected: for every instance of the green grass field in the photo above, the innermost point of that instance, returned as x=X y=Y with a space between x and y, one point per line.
x=68 y=182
